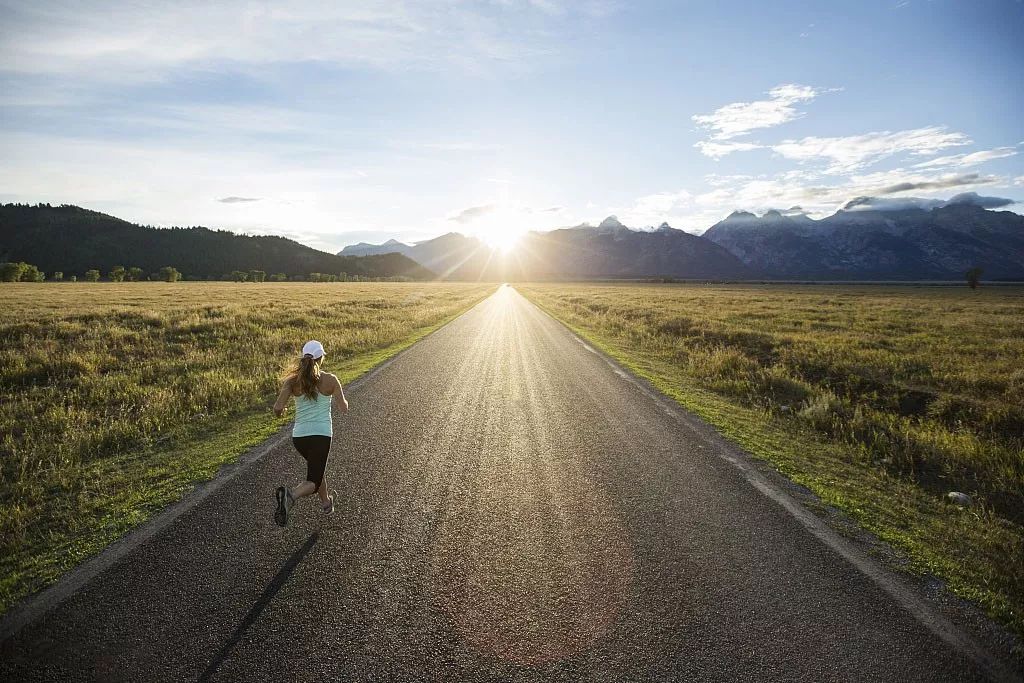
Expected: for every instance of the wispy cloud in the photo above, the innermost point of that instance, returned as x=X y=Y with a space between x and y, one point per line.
x=470 y=214
x=147 y=41
x=458 y=146
x=238 y=200
x=972 y=159
x=853 y=152
x=845 y=154
x=942 y=183
x=740 y=118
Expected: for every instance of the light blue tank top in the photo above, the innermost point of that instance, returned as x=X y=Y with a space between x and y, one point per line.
x=312 y=416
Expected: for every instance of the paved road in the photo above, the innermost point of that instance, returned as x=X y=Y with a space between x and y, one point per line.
x=510 y=509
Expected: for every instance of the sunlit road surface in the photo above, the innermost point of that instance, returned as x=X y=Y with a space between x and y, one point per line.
x=510 y=508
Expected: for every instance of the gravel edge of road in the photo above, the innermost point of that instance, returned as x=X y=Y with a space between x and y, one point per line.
x=958 y=622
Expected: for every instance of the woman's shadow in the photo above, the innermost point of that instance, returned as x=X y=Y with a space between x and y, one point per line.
x=269 y=592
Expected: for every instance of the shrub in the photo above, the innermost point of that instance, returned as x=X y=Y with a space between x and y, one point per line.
x=169 y=274
x=31 y=273
x=825 y=412
x=11 y=272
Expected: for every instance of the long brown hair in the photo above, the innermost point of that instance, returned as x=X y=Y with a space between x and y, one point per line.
x=307 y=374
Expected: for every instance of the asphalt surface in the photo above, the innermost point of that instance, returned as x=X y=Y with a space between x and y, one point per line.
x=509 y=508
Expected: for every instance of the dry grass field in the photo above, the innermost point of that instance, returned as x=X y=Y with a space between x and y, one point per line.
x=881 y=400
x=116 y=398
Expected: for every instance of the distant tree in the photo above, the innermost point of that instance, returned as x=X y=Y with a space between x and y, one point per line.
x=32 y=274
x=117 y=274
x=135 y=273
x=257 y=276
x=169 y=274
x=58 y=275
x=92 y=275
x=73 y=278
x=239 y=275
x=278 y=277
x=11 y=272
x=974 y=277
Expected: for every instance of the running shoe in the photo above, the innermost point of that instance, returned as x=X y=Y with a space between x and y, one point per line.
x=328 y=507
x=281 y=513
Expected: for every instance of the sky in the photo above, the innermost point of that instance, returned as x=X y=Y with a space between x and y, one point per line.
x=335 y=123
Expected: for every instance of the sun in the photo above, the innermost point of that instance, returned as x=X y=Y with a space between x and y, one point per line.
x=502 y=240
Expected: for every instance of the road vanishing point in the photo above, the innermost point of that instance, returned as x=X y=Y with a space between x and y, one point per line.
x=511 y=506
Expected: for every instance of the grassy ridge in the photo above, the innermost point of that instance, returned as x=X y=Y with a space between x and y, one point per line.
x=116 y=399
x=880 y=400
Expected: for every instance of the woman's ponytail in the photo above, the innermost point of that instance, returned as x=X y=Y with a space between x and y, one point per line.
x=307 y=375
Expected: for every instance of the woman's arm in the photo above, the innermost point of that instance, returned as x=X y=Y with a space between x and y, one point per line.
x=340 y=394
x=282 y=398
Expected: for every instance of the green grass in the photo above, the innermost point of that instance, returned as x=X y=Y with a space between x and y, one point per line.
x=117 y=398
x=880 y=400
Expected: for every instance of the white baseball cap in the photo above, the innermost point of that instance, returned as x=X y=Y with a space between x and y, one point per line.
x=313 y=348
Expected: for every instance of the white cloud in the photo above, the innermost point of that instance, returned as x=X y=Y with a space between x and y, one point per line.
x=853 y=152
x=739 y=118
x=652 y=209
x=717 y=150
x=971 y=159
x=663 y=201
x=1019 y=180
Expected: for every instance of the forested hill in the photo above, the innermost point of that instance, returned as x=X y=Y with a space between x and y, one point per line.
x=73 y=240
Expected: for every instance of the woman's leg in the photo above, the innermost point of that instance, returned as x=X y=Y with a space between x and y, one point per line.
x=324 y=491
x=315 y=450
x=302 y=490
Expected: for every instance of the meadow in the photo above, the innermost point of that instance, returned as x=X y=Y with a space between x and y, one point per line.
x=880 y=400
x=115 y=399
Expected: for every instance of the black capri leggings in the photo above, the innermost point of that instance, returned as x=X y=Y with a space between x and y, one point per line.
x=315 y=450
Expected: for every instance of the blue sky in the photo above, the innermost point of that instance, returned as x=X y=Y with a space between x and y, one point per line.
x=404 y=119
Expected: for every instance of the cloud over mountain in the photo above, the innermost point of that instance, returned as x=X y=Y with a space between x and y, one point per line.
x=902 y=203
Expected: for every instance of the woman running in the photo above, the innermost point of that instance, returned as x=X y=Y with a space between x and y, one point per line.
x=312 y=389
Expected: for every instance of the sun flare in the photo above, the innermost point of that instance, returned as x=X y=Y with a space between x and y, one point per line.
x=503 y=229
x=502 y=240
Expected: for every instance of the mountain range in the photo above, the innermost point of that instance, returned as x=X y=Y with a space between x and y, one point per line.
x=608 y=250
x=870 y=241
x=867 y=239
x=73 y=240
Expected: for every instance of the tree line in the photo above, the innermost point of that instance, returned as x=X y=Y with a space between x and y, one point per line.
x=26 y=272
x=19 y=271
